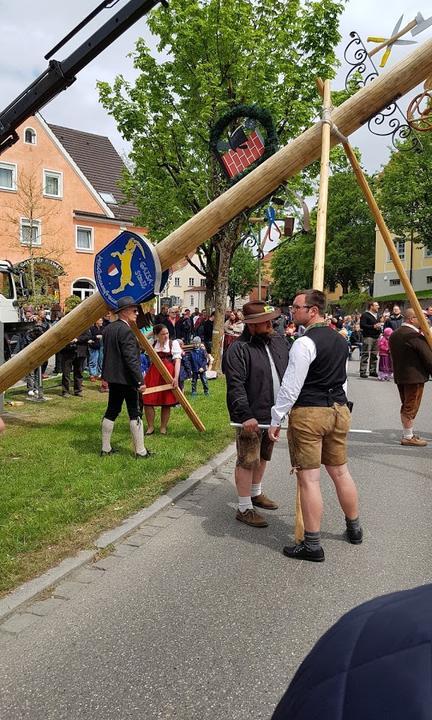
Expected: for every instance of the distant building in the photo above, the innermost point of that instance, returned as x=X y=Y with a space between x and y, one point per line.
x=417 y=261
x=59 y=196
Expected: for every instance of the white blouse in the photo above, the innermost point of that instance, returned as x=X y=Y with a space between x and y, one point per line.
x=175 y=349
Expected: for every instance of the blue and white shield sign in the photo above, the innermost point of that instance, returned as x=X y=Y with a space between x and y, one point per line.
x=128 y=267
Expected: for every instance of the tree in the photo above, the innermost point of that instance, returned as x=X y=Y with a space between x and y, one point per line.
x=217 y=54
x=405 y=192
x=40 y=215
x=243 y=273
x=292 y=267
x=350 y=252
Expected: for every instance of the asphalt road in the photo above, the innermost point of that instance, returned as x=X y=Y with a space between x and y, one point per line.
x=204 y=618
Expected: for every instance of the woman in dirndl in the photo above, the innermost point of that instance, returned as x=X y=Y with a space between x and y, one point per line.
x=170 y=353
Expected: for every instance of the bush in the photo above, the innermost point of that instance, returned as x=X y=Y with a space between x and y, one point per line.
x=354 y=301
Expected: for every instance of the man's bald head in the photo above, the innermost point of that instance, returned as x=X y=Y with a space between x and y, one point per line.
x=411 y=317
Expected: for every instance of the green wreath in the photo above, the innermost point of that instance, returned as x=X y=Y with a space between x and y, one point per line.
x=263 y=117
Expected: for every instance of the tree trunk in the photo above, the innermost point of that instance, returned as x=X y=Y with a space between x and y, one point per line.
x=209 y=298
x=221 y=295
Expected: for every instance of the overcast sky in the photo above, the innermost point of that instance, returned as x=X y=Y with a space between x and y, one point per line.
x=31 y=27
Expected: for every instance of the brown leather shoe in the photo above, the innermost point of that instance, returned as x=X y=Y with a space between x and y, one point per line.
x=415 y=441
x=262 y=501
x=251 y=517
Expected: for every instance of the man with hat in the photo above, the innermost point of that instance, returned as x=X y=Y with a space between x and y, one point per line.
x=254 y=367
x=313 y=392
x=122 y=370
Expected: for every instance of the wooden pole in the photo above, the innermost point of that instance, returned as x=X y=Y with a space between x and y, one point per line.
x=389 y=242
x=247 y=193
x=391 y=40
x=320 y=242
x=386 y=235
x=154 y=357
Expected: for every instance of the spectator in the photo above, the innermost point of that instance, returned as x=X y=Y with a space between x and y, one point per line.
x=371 y=328
x=395 y=320
x=373 y=664
x=95 y=342
x=233 y=328
x=355 y=340
x=184 y=331
x=74 y=356
x=412 y=366
x=199 y=363
x=170 y=353
x=208 y=332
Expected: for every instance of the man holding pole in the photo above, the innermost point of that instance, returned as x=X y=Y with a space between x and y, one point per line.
x=254 y=367
x=312 y=391
x=122 y=370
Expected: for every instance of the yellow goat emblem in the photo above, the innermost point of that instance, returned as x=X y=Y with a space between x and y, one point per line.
x=125 y=258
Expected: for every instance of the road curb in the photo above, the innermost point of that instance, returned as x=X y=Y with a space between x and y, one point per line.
x=31 y=589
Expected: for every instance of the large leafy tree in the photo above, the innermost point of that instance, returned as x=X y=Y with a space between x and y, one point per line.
x=350 y=239
x=405 y=192
x=243 y=273
x=214 y=55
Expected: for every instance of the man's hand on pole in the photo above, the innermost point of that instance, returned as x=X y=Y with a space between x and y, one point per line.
x=251 y=425
x=274 y=432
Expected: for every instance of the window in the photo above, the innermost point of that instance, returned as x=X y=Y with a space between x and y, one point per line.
x=203 y=282
x=176 y=282
x=108 y=198
x=6 y=288
x=30 y=232
x=83 y=288
x=400 y=247
x=395 y=282
x=192 y=301
x=8 y=173
x=84 y=239
x=427 y=253
x=191 y=282
x=30 y=136
x=429 y=280
x=53 y=183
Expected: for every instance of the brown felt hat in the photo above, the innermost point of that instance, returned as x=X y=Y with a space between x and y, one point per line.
x=259 y=311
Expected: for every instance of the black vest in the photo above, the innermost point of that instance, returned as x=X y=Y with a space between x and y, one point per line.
x=327 y=373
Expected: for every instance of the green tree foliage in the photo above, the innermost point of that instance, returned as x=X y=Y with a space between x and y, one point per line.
x=243 y=273
x=215 y=54
x=292 y=267
x=350 y=255
x=405 y=192
x=350 y=245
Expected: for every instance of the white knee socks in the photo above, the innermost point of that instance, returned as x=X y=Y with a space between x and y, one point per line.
x=136 y=428
x=107 y=428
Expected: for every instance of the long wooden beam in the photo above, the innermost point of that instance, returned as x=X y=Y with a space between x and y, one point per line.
x=247 y=193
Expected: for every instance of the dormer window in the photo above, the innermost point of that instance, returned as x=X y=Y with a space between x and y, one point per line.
x=30 y=136
x=108 y=198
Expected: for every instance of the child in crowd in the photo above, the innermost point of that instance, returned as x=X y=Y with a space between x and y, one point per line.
x=355 y=340
x=385 y=368
x=199 y=362
x=185 y=367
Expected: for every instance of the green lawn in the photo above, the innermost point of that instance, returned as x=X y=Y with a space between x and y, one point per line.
x=57 y=494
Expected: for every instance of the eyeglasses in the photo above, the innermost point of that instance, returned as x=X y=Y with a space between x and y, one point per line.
x=299 y=307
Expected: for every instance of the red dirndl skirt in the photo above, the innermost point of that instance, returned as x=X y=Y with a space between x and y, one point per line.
x=153 y=378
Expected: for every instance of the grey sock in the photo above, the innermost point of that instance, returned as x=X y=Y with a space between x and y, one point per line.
x=354 y=524
x=312 y=540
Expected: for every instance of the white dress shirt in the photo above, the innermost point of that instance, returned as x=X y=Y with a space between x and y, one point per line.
x=302 y=355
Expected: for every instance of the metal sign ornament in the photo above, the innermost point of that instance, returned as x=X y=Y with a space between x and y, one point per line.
x=128 y=267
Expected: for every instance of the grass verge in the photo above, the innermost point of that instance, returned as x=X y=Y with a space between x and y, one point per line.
x=57 y=494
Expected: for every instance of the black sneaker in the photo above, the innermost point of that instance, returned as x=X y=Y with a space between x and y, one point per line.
x=355 y=537
x=104 y=453
x=375 y=375
x=301 y=552
x=148 y=455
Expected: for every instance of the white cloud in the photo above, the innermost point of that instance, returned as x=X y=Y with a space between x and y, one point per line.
x=30 y=29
